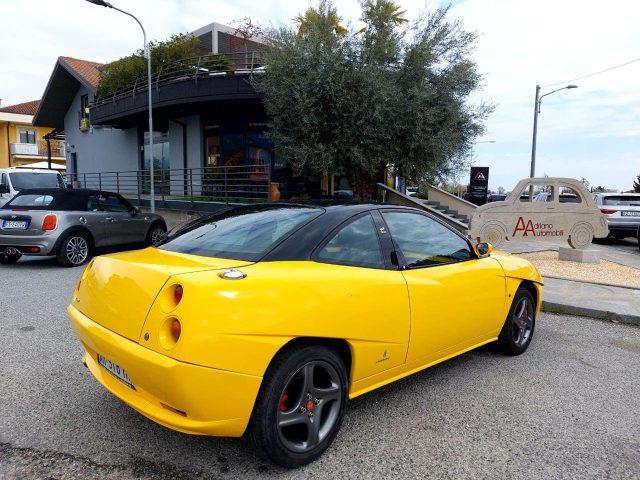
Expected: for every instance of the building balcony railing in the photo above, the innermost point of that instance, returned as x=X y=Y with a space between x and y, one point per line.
x=38 y=149
x=187 y=69
x=24 y=149
x=233 y=183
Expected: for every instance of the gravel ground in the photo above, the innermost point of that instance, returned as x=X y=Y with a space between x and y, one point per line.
x=604 y=272
x=568 y=408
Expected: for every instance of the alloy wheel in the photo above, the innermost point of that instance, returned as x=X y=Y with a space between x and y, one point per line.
x=77 y=250
x=522 y=322
x=157 y=236
x=309 y=406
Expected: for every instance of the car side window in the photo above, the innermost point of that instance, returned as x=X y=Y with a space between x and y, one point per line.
x=355 y=244
x=425 y=242
x=111 y=203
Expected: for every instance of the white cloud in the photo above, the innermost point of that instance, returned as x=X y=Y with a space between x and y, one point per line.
x=522 y=43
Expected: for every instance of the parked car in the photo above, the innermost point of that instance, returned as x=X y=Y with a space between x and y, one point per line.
x=496 y=197
x=269 y=318
x=563 y=210
x=14 y=179
x=622 y=211
x=71 y=224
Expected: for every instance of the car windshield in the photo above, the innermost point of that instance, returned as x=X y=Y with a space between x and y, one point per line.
x=25 y=180
x=241 y=234
x=622 y=200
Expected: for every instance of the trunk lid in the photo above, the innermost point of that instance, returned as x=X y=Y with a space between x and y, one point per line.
x=117 y=291
x=33 y=218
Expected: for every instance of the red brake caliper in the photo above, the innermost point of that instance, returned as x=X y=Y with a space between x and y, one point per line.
x=283 y=402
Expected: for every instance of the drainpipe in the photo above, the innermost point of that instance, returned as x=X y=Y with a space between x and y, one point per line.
x=8 y=146
x=184 y=154
x=48 y=140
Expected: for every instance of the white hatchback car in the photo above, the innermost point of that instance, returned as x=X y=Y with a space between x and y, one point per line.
x=562 y=209
x=622 y=211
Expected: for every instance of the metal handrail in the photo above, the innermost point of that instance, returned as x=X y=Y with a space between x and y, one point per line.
x=239 y=183
x=189 y=68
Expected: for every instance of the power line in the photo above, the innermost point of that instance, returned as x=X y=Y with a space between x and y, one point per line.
x=593 y=74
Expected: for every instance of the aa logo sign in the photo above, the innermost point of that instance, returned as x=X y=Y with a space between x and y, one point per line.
x=529 y=228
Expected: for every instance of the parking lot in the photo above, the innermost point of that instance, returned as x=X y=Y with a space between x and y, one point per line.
x=568 y=408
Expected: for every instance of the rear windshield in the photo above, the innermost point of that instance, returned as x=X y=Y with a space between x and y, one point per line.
x=623 y=200
x=26 y=180
x=64 y=200
x=32 y=200
x=243 y=234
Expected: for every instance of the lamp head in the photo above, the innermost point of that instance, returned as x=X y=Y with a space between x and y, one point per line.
x=568 y=86
x=101 y=3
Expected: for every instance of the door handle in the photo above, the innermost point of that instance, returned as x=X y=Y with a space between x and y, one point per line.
x=109 y=219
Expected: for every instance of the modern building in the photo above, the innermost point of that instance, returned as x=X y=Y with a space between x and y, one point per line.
x=22 y=143
x=210 y=126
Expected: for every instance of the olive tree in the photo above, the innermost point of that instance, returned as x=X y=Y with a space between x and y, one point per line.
x=351 y=102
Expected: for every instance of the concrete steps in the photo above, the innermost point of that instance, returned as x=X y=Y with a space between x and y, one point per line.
x=446 y=211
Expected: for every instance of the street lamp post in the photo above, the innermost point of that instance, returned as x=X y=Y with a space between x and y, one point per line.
x=147 y=53
x=536 y=112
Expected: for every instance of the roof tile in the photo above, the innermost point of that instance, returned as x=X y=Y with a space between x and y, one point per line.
x=90 y=71
x=26 y=108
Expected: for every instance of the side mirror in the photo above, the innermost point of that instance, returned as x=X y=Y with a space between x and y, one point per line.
x=483 y=249
x=4 y=188
x=135 y=211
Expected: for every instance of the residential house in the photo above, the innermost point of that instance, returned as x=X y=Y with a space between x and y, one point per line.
x=23 y=144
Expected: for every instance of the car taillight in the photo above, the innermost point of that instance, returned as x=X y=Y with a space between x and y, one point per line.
x=176 y=329
x=177 y=294
x=50 y=222
x=606 y=211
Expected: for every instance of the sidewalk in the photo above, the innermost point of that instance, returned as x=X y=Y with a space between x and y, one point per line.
x=573 y=297
x=604 y=302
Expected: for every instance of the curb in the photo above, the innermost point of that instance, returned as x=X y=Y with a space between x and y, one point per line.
x=590 y=282
x=564 y=309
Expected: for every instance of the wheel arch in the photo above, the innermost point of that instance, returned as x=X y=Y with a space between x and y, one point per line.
x=532 y=288
x=338 y=345
x=74 y=229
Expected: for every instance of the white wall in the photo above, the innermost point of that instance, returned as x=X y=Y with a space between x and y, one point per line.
x=99 y=149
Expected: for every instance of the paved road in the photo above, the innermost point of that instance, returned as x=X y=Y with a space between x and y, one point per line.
x=568 y=408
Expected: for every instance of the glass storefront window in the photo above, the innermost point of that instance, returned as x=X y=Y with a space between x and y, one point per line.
x=161 y=162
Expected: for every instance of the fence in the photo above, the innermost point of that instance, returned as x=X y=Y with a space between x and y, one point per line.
x=234 y=183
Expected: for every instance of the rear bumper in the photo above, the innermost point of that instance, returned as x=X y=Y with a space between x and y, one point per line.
x=181 y=396
x=23 y=243
x=629 y=229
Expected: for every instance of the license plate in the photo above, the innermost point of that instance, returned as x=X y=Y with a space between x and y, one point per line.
x=15 y=224
x=115 y=370
x=627 y=213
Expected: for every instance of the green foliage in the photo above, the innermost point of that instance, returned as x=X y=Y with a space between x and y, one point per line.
x=179 y=51
x=636 y=184
x=395 y=92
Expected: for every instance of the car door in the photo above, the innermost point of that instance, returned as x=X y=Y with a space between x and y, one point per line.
x=367 y=293
x=138 y=223
x=457 y=300
x=116 y=219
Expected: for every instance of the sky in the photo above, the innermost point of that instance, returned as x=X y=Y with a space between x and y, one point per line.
x=592 y=131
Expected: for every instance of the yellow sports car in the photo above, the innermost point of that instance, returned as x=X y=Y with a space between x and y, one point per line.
x=269 y=319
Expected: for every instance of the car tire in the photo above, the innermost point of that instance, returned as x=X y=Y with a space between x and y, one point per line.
x=517 y=331
x=156 y=234
x=74 y=250
x=8 y=259
x=300 y=406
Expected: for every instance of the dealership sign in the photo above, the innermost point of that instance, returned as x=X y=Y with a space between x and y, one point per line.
x=541 y=209
x=479 y=185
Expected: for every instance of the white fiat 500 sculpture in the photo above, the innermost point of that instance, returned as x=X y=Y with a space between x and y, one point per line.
x=541 y=209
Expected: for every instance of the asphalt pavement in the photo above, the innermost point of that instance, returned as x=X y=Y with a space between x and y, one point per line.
x=568 y=408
